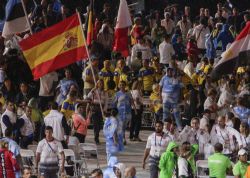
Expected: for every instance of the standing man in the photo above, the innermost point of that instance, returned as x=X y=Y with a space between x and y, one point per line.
x=47 y=155
x=48 y=84
x=170 y=88
x=8 y=119
x=166 y=51
x=58 y=122
x=156 y=145
x=218 y=163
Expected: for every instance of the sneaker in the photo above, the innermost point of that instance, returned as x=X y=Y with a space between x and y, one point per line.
x=138 y=139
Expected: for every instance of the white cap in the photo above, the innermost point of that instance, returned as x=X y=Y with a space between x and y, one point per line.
x=242 y=152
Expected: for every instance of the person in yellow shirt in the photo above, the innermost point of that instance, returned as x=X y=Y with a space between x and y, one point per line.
x=118 y=70
x=105 y=74
x=68 y=106
x=158 y=69
x=156 y=102
x=147 y=75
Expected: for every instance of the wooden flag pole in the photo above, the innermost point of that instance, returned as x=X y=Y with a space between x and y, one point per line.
x=26 y=16
x=91 y=67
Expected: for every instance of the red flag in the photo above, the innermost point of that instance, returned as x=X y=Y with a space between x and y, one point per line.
x=121 y=30
x=90 y=31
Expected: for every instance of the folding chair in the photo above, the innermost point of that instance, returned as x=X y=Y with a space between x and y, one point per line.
x=70 y=154
x=147 y=115
x=202 y=167
x=33 y=148
x=28 y=157
x=89 y=151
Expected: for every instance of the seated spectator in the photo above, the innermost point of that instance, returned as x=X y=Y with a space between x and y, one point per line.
x=24 y=95
x=96 y=173
x=119 y=170
x=108 y=172
x=130 y=172
x=27 y=173
x=27 y=128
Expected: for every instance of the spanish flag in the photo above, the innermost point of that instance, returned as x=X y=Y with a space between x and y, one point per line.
x=90 y=31
x=55 y=47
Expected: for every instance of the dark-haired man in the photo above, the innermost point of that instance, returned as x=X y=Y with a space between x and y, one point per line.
x=47 y=155
x=156 y=145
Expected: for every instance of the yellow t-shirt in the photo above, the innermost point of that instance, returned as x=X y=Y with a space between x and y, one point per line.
x=106 y=76
x=68 y=108
x=148 y=77
x=156 y=100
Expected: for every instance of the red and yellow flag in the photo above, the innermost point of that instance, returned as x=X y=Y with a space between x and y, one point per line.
x=55 y=47
x=90 y=31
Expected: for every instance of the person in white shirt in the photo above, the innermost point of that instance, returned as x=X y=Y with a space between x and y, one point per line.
x=200 y=33
x=184 y=166
x=204 y=121
x=141 y=47
x=168 y=23
x=47 y=155
x=194 y=135
x=58 y=122
x=185 y=25
x=156 y=145
x=166 y=51
x=48 y=84
x=244 y=135
x=226 y=136
x=27 y=128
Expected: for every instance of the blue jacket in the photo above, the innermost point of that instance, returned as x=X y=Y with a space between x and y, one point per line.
x=225 y=36
x=210 y=49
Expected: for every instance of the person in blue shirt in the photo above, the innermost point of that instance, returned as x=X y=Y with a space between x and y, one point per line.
x=110 y=132
x=108 y=172
x=123 y=101
x=170 y=88
x=225 y=36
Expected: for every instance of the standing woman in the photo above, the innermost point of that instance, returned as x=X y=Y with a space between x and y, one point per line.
x=135 y=125
x=80 y=123
x=96 y=110
x=8 y=162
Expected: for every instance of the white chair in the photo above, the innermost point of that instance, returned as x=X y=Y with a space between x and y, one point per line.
x=33 y=148
x=89 y=151
x=70 y=153
x=202 y=166
x=28 y=157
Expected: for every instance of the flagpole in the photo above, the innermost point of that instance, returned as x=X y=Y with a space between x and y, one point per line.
x=91 y=67
x=26 y=16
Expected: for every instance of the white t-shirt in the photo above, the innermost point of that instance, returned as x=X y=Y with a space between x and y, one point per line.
x=136 y=95
x=49 y=154
x=166 y=51
x=200 y=33
x=182 y=167
x=46 y=84
x=157 y=144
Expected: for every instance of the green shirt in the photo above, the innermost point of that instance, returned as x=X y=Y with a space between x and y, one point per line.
x=240 y=169
x=218 y=164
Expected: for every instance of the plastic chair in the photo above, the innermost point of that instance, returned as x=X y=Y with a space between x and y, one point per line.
x=33 y=148
x=28 y=157
x=89 y=151
x=70 y=154
x=202 y=165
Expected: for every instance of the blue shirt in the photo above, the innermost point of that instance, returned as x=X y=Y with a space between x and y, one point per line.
x=122 y=101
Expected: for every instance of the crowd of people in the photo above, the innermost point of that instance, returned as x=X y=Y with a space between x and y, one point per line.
x=172 y=54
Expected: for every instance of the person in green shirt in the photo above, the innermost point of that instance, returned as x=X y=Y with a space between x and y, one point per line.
x=168 y=161
x=240 y=168
x=218 y=163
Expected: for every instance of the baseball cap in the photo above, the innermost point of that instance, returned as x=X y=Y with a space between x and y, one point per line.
x=242 y=152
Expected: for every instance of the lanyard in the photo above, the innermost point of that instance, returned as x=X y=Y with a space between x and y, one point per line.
x=160 y=140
